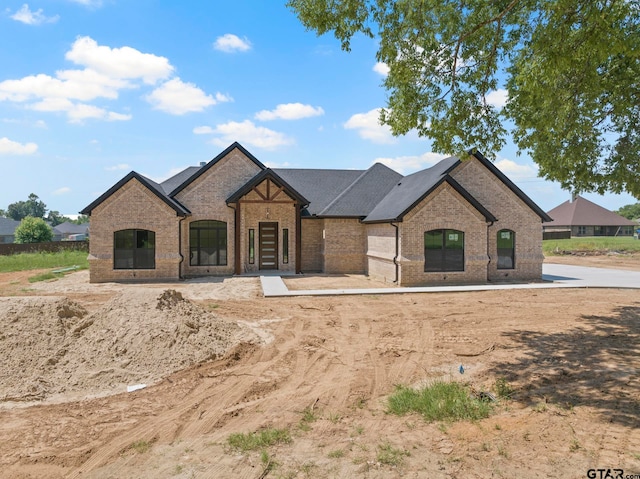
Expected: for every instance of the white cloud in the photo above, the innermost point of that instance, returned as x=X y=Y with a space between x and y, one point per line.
x=289 y=111
x=411 y=164
x=248 y=133
x=232 y=43
x=107 y=72
x=369 y=127
x=381 y=68
x=77 y=112
x=498 y=98
x=118 y=167
x=8 y=147
x=62 y=191
x=203 y=130
x=121 y=63
x=25 y=15
x=516 y=171
x=178 y=98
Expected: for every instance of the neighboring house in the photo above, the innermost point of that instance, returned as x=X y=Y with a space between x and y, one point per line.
x=585 y=218
x=457 y=222
x=64 y=231
x=7 y=230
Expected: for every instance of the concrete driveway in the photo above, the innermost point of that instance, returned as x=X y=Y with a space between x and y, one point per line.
x=584 y=277
x=554 y=276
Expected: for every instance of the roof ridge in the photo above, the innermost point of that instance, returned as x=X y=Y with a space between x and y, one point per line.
x=355 y=182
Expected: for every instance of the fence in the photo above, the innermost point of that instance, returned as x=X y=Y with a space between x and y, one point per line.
x=50 y=247
x=555 y=235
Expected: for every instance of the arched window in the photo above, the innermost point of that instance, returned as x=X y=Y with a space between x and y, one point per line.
x=134 y=249
x=506 y=249
x=208 y=243
x=443 y=250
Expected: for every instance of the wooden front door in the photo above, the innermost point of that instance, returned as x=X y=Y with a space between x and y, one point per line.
x=268 y=246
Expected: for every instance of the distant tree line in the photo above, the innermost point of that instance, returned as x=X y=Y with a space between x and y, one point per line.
x=631 y=212
x=36 y=208
x=36 y=221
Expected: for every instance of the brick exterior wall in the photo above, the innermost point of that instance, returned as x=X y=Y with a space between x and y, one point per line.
x=206 y=199
x=252 y=214
x=512 y=214
x=381 y=248
x=443 y=209
x=133 y=207
x=312 y=245
x=345 y=243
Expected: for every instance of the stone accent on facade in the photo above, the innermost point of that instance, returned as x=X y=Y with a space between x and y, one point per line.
x=381 y=247
x=133 y=207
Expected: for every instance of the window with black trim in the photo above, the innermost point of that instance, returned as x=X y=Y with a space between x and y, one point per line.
x=134 y=249
x=208 y=243
x=285 y=245
x=443 y=250
x=506 y=249
x=252 y=246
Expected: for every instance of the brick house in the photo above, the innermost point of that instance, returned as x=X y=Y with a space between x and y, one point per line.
x=456 y=222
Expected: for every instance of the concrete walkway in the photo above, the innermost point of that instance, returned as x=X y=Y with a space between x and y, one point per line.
x=554 y=276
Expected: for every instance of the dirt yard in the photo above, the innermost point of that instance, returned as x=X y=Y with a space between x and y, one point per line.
x=217 y=358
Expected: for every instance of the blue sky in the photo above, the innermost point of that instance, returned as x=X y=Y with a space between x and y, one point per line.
x=92 y=89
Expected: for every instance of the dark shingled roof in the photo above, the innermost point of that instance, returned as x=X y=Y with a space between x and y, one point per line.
x=71 y=228
x=8 y=226
x=582 y=212
x=152 y=185
x=320 y=187
x=409 y=191
x=359 y=198
x=172 y=183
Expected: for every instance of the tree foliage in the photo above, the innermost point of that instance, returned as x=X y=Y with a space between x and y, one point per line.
x=631 y=212
x=33 y=230
x=571 y=69
x=33 y=207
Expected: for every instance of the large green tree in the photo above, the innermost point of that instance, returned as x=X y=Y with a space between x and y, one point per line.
x=631 y=212
x=32 y=207
x=571 y=69
x=33 y=230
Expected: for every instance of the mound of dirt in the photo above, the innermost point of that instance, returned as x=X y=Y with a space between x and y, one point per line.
x=51 y=346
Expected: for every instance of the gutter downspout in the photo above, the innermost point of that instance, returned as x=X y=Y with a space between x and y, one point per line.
x=180 y=246
x=489 y=225
x=395 y=258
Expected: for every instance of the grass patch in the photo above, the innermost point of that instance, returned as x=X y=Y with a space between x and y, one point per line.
x=141 y=446
x=259 y=440
x=440 y=401
x=504 y=390
x=338 y=453
x=592 y=244
x=308 y=416
x=45 y=277
x=391 y=456
x=29 y=261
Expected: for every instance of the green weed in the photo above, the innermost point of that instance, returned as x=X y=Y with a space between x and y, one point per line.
x=259 y=440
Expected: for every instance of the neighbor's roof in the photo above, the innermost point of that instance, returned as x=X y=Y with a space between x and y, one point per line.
x=8 y=226
x=582 y=212
x=71 y=228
